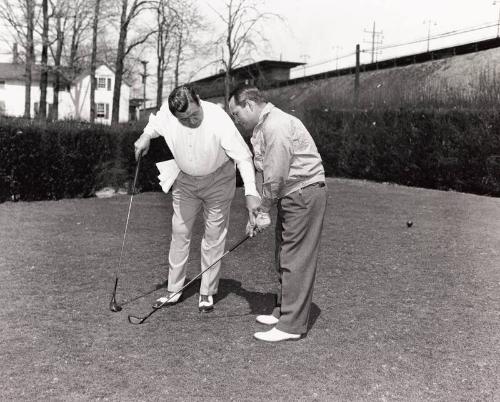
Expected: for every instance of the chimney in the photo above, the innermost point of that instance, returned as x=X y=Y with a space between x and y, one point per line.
x=15 y=54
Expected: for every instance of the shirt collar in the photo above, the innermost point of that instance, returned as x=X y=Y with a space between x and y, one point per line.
x=263 y=114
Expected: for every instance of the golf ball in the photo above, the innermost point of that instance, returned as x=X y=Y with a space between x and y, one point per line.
x=409 y=224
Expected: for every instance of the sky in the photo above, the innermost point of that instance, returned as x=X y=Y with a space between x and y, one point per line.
x=324 y=33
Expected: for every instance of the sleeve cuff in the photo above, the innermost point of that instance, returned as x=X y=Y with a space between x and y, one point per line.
x=251 y=189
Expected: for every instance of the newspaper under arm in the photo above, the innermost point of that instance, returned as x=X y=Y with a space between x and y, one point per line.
x=168 y=173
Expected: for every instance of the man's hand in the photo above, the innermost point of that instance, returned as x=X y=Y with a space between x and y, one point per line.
x=253 y=203
x=141 y=146
x=262 y=221
x=250 y=229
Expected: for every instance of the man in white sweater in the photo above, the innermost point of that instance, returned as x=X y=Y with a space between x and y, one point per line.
x=206 y=145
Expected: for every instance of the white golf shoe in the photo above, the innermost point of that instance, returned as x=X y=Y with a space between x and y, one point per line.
x=167 y=300
x=267 y=319
x=206 y=303
x=276 y=335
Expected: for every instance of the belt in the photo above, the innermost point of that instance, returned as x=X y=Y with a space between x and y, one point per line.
x=317 y=184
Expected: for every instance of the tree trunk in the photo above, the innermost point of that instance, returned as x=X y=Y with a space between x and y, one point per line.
x=74 y=44
x=44 y=74
x=93 y=62
x=120 y=56
x=159 y=76
x=178 y=59
x=57 y=68
x=30 y=51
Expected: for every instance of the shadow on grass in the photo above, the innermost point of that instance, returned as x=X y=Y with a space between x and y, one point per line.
x=259 y=302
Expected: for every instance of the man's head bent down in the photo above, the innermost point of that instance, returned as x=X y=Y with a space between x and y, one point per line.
x=184 y=104
x=245 y=104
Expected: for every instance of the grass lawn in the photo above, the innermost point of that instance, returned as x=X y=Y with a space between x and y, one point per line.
x=399 y=314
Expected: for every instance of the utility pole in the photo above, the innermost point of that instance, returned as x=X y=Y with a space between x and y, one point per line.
x=498 y=22
x=304 y=57
x=429 y=23
x=375 y=41
x=144 y=76
x=356 y=78
x=337 y=48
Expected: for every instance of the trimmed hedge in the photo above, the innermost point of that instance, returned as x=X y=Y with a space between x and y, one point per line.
x=457 y=150
x=450 y=150
x=41 y=161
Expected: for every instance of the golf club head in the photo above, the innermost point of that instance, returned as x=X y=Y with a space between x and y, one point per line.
x=135 y=320
x=114 y=306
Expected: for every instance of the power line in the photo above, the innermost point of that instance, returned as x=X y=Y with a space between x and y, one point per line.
x=442 y=35
x=438 y=36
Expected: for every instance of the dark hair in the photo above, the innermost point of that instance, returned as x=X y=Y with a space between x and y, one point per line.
x=180 y=97
x=246 y=92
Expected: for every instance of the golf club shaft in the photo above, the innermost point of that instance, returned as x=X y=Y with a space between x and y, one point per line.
x=141 y=320
x=129 y=209
x=136 y=175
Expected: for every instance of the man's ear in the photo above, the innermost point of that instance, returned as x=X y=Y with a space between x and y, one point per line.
x=251 y=104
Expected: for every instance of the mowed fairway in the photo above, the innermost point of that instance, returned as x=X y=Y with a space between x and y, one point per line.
x=399 y=314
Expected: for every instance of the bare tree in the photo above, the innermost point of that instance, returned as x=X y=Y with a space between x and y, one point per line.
x=44 y=73
x=93 y=60
x=127 y=15
x=20 y=18
x=61 y=21
x=188 y=33
x=81 y=13
x=241 y=20
x=167 y=20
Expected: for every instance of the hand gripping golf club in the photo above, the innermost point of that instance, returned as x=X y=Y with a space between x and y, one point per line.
x=139 y=320
x=113 y=305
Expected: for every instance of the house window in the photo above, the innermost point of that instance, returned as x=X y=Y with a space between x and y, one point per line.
x=102 y=110
x=101 y=83
x=109 y=84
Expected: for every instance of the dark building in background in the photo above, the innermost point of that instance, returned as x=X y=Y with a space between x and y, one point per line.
x=262 y=73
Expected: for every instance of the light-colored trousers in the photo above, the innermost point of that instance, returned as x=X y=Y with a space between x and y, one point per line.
x=212 y=194
x=299 y=224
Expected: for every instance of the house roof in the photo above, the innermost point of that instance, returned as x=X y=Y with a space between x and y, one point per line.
x=16 y=71
x=86 y=72
x=253 y=68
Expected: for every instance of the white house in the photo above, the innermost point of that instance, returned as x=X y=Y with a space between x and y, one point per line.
x=74 y=97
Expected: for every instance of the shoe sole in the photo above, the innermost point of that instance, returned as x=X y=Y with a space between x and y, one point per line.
x=206 y=309
x=281 y=340
x=267 y=323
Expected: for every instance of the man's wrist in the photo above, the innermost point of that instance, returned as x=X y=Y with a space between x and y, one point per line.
x=265 y=205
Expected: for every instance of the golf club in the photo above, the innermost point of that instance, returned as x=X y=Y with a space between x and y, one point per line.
x=113 y=305
x=148 y=292
x=139 y=320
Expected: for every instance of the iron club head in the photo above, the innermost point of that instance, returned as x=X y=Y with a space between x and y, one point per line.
x=114 y=306
x=136 y=320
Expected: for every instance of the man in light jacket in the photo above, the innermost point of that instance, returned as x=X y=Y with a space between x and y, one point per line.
x=293 y=179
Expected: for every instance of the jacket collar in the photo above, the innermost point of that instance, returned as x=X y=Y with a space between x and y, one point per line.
x=263 y=114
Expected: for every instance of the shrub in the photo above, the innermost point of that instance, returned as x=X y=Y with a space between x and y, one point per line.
x=68 y=159
x=434 y=149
